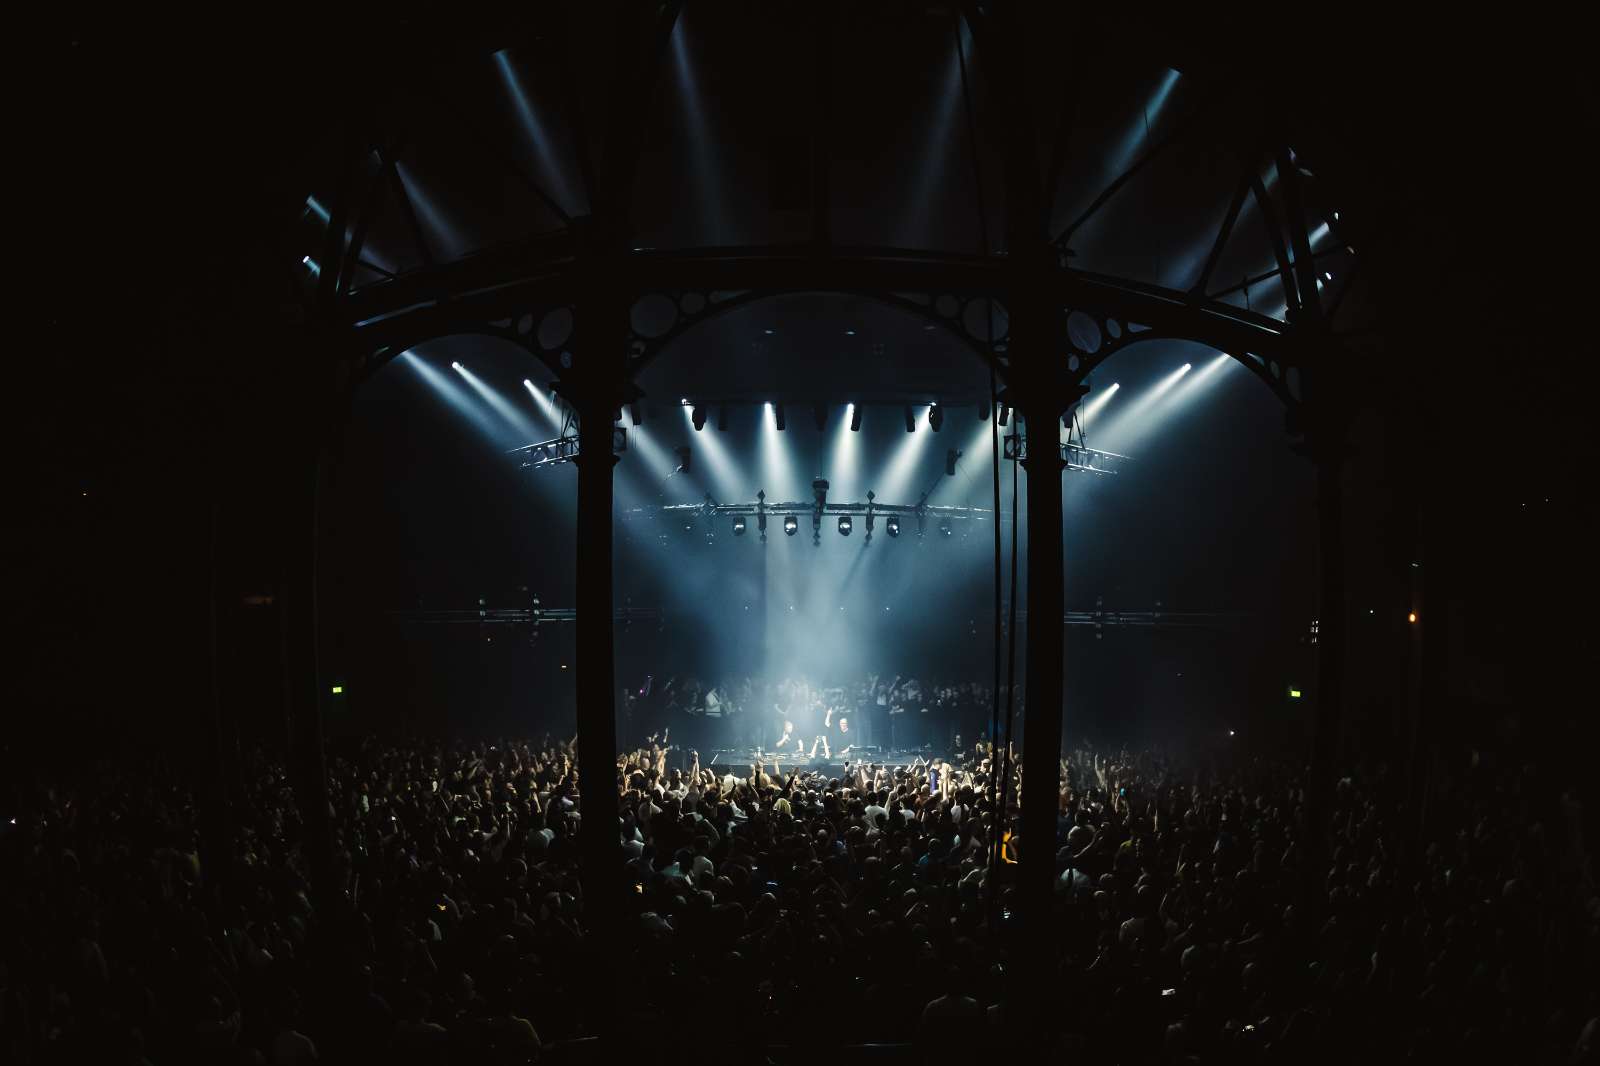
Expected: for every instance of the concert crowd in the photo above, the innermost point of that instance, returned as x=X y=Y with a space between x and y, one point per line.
x=790 y=715
x=780 y=908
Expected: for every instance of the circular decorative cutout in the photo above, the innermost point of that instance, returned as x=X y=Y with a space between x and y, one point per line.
x=566 y=360
x=1073 y=362
x=653 y=315
x=976 y=318
x=1083 y=332
x=525 y=324
x=947 y=305
x=692 y=303
x=555 y=328
x=1277 y=371
x=1114 y=328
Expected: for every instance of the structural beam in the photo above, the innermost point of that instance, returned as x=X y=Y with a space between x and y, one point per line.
x=494 y=284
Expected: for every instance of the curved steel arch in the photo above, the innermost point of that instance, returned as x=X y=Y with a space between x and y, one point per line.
x=645 y=350
x=1282 y=377
x=549 y=263
x=514 y=312
x=473 y=295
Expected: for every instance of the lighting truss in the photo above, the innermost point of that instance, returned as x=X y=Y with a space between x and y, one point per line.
x=1075 y=451
x=563 y=449
x=516 y=616
x=868 y=511
x=1077 y=454
x=624 y=615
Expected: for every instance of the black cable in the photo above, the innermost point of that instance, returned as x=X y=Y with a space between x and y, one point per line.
x=994 y=403
x=1010 y=692
x=992 y=788
x=1011 y=695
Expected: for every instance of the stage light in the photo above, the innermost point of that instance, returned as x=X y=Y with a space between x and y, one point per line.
x=501 y=406
x=777 y=414
x=935 y=417
x=845 y=525
x=738 y=525
x=892 y=524
x=911 y=420
x=855 y=418
x=1186 y=366
x=546 y=401
x=791 y=525
x=456 y=367
x=1096 y=404
x=1412 y=617
x=699 y=418
x=944 y=528
x=950 y=457
x=722 y=419
x=819 y=415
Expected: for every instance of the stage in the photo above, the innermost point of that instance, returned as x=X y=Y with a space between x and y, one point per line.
x=737 y=761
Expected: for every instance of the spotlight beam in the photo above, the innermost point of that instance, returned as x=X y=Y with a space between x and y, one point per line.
x=546 y=404
x=777 y=461
x=1131 y=419
x=657 y=460
x=456 y=397
x=500 y=405
x=1098 y=403
x=543 y=145
x=1163 y=404
x=902 y=469
x=718 y=459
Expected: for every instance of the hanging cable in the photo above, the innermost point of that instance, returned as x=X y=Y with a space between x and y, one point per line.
x=993 y=786
x=1003 y=755
x=994 y=403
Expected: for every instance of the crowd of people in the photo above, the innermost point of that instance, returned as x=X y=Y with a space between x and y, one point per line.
x=796 y=714
x=782 y=907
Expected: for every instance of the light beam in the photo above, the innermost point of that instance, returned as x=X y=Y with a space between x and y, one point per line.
x=718 y=461
x=542 y=144
x=499 y=404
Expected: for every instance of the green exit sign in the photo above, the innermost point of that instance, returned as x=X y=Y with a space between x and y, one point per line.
x=338 y=690
x=1294 y=693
